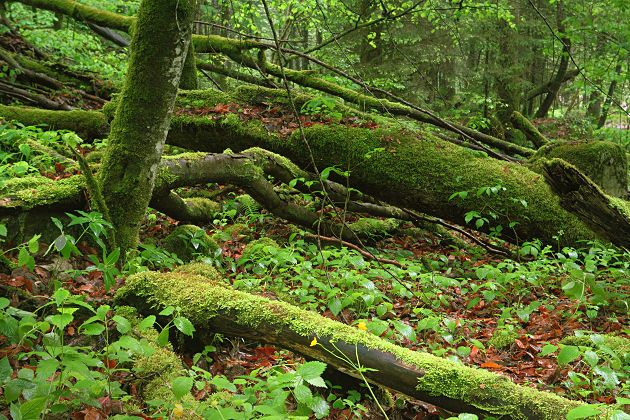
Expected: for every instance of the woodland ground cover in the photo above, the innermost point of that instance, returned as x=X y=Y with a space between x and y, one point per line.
x=551 y=316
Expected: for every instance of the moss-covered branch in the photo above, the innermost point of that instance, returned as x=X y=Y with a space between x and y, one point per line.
x=82 y=12
x=531 y=132
x=212 y=306
x=88 y=125
x=407 y=169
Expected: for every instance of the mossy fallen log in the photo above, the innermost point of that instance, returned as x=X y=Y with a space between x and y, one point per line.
x=405 y=168
x=213 y=307
x=610 y=216
x=88 y=125
x=531 y=132
x=605 y=163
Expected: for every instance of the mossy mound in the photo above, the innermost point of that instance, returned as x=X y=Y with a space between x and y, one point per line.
x=503 y=338
x=187 y=240
x=258 y=248
x=201 y=269
x=201 y=208
x=604 y=162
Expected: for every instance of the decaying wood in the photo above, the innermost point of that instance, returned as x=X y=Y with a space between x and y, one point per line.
x=607 y=215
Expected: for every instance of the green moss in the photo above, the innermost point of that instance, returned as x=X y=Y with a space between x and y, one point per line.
x=203 y=98
x=30 y=192
x=260 y=155
x=201 y=269
x=622 y=205
x=82 y=12
x=189 y=72
x=604 y=162
x=238 y=230
x=503 y=338
x=418 y=170
x=201 y=301
x=374 y=228
x=87 y=124
x=202 y=208
x=95 y=156
x=159 y=44
x=187 y=240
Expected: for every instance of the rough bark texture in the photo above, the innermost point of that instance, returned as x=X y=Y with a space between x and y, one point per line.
x=608 y=215
x=212 y=306
x=159 y=45
x=604 y=163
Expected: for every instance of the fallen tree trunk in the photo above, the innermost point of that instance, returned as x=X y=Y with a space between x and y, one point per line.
x=407 y=169
x=213 y=307
x=610 y=216
x=235 y=49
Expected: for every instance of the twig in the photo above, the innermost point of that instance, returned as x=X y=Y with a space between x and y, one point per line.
x=366 y=254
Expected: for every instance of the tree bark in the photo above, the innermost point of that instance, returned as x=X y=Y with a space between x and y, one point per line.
x=609 y=98
x=160 y=41
x=556 y=83
x=607 y=215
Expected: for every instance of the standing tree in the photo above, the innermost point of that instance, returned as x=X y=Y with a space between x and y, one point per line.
x=161 y=37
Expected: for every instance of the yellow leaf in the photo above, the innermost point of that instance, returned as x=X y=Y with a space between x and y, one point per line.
x=178 y=411
x=314 y=342
x=362 y=326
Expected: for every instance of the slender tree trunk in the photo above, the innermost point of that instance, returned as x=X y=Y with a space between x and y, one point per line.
x=563 y=67
x=160 y=41
x=609 y=98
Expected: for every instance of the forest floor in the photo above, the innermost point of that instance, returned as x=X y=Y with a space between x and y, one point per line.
x=455 y=301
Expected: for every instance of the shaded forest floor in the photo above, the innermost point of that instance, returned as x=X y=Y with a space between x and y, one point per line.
x=451 y=299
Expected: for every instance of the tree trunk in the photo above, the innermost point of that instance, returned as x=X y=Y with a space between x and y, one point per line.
x=609 y=97
x=160 y=41
x=407 y=169
x=213 y=307
x=558 y=79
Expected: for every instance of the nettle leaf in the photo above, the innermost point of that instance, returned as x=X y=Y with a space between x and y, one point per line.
x=568 y=354
x=303 y=394
x=147 y=322
x=184 y=325
x=311 y=370
x=167 y=311
x=335 y=306
x=583 y=411
x=5 y=369
x=32 y=410
x=61 y=321
x=163 y=337
x=223 y=383
x=122 y=324
x=320 y=407
x=182 y=386
x=547 y=350
x=93 y=328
